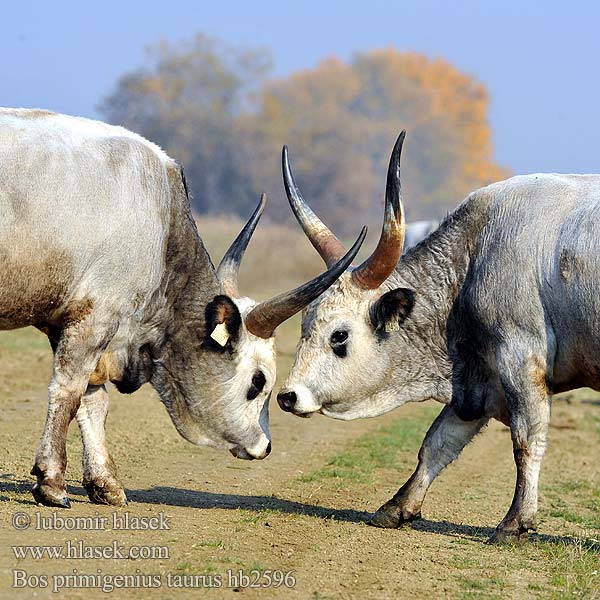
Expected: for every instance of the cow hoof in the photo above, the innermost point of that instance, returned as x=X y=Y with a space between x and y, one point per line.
x=386 y=518
x=105 y=490
x=390 y=517
x=48 y=495
x=509 y=535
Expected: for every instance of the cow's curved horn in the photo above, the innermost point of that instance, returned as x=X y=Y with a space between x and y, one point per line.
x=228 y=269
x=264 y=318
x=324 y=241
x=379 y=266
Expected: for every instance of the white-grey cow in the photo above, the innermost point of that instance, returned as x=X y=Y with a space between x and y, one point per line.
x=490 y=315
x=98 y=249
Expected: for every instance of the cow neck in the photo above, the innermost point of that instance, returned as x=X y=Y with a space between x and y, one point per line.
x=436 y=269
x=190 y=279
x=189 y=283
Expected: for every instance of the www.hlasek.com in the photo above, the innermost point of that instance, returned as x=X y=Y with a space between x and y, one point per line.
x=79 y=550
x=107 y=582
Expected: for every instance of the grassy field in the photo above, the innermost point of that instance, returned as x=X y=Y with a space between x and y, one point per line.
x=303 y=510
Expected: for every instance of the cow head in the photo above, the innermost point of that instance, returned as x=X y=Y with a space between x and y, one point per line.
x=343 y=362
x=240 y=352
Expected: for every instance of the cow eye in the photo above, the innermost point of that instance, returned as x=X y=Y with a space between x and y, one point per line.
x=338 y=341
x=258 y=383
x=338 y=337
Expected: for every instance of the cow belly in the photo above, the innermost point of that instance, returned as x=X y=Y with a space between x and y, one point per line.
x=574 y=312
x=567 y=379
x=32 y=288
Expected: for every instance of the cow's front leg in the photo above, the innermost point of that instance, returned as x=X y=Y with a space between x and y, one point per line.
x=51 y=455
x=444 y=441
x=99 y=470
x=77 y=352
x=528 y=403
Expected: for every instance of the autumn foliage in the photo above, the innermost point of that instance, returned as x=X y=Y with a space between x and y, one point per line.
x=212 y=107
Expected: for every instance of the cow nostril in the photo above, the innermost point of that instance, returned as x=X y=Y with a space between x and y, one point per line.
x=286 y=400
x=268 y=450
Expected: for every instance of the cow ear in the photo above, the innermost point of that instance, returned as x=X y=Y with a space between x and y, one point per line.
x=223 y=324
x=390 y=310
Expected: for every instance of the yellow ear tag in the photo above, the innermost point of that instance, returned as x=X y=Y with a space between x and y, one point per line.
x=220 y=334
x=392 y=326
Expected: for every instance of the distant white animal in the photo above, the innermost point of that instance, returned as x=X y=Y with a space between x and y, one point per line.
x=417 y=231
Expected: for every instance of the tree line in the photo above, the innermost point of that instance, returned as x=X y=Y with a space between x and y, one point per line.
x=214 y=107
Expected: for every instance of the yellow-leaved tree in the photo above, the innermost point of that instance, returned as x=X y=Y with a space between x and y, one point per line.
x=340 y=121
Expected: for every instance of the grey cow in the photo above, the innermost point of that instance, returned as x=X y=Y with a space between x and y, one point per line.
x=490 y=315
x=99 y=250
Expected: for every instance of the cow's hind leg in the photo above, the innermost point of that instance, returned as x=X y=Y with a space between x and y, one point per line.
x=78 y=350
x=99 y=470
x=528 y=403
x=444 y=441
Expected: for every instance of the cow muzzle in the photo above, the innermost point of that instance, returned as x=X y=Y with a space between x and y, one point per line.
x=298 y=400
x=251 y=453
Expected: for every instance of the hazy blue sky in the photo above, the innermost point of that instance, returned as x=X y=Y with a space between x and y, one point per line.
x=539 y=60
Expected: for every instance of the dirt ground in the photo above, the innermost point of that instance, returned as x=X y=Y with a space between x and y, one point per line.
x=301 y=511
x=297 y=518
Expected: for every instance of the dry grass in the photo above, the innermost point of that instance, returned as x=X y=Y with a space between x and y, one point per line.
x=279 y=257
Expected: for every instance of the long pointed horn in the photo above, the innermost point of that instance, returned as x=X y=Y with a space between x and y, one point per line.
x=264 y=318
x=379 y=266
x=324 y=241
x=228 y=269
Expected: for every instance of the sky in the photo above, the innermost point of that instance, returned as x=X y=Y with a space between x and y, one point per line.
x=539 y=60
